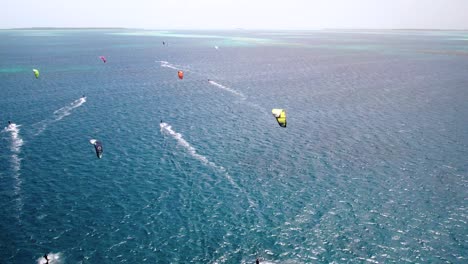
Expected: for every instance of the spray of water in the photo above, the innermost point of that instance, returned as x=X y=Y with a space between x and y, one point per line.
x=54 y=258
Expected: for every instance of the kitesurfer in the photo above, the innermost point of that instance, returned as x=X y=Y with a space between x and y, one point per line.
x=9 y=122
x=46 y=258
x=257 y=261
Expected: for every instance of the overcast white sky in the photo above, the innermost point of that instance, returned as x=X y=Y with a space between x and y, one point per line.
x=230 y=14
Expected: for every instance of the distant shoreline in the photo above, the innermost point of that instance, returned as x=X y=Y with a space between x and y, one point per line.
x=66 y=28
x=397 y=29
x=234 y=29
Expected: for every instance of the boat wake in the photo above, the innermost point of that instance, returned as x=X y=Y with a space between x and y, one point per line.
x=59 y=115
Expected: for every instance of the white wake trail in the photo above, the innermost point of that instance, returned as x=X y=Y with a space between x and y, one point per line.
x=168 y=65
x=241 y=95
x=16 y=140
x=66 y=110
x=167 y=129
x=54 y=258
x=227 y=89
x=15 y=147
x=59 y=115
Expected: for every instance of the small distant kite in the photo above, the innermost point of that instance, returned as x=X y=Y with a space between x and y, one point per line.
x=36 y=73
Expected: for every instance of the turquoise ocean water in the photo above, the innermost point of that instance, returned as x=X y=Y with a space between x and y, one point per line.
x=372 y=167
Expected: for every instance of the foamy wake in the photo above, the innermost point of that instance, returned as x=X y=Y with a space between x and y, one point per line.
x=167 y=129
x=15 y=147
x=168 y=65
x=218 y=85
x=227 y=89
x=172 y=66
x=16 y=165
x=54 y=258
x=16 y=140
x=66 y=110
x=59 y=114
x=237 y=93
x=241 y=95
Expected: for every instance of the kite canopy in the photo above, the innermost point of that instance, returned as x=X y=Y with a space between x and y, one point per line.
x=180 y=74
x=36 y=73
x=103 y=59
x=98 y=147
x=280 y=115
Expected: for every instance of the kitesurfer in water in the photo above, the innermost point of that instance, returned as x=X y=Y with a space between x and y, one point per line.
x=257 y=261
x=46 y=258
x=9 y=122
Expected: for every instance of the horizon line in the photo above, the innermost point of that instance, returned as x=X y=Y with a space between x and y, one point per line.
x=237 y=29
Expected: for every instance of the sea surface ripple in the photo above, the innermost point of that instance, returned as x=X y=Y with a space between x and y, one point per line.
x=371 y=169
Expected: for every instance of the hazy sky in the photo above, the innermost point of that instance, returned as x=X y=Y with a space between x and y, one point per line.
x=229 y=14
